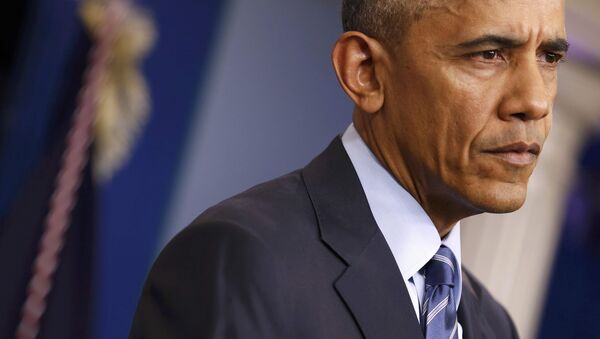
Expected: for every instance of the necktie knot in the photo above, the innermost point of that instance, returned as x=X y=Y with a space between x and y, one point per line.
x=441 y=269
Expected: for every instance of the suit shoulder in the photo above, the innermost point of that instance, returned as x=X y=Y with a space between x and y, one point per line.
x=197 y=276
x=265 y=217
x=496 y=315
x=265 y=208
x=237 y=233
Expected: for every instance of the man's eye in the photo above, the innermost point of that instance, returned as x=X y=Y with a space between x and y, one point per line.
x=490 y=55
x=552 y=58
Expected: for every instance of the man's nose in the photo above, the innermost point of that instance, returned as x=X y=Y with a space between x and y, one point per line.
x=528 y=95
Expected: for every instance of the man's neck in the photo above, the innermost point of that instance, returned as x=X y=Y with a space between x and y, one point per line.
x=437 y=201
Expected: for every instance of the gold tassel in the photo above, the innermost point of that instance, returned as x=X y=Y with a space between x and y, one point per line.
x=124 y=102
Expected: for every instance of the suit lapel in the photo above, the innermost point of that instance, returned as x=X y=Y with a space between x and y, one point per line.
x=372 y=286
x=374 y=290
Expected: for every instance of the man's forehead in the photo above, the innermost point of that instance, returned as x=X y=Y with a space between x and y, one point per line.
x=458 y=6
x=518 y=17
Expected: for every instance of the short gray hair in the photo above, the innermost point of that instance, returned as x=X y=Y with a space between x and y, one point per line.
x=384 y=20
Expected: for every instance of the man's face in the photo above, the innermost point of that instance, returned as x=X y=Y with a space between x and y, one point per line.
x=468 y=97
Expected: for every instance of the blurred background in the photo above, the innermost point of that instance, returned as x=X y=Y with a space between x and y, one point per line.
x=203 y=99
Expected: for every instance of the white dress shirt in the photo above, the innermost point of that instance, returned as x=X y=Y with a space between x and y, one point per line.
x=408 y=230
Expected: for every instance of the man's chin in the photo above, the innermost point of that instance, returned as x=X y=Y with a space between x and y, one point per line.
x=500 y=198
x=504 y=207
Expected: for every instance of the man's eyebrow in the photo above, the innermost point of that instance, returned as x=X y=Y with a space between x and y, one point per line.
x=492 y=39
x=556 y=45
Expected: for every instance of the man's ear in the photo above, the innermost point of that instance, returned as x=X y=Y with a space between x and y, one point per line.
x=357 y=60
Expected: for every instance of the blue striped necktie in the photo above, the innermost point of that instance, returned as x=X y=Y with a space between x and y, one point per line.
x=438 y=317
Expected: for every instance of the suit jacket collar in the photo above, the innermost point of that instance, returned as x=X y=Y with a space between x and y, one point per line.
x=372 y=286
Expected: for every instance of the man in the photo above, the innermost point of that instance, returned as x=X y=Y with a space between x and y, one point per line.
x=453 y=103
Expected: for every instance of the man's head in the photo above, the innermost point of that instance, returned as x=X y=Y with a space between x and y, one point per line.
x=384 y=20
x=456 y=105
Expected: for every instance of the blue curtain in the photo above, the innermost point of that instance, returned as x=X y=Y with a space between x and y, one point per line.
x=38 y=98
x=132 y=206
x=571 y=309
x=102 y=268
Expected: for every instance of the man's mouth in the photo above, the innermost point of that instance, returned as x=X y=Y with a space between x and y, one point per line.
x=518 y=154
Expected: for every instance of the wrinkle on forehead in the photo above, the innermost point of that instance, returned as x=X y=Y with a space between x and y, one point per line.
x=449 y=6
x=455 y=7
x=505 y=14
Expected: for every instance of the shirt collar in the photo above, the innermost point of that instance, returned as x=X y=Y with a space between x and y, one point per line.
x=408 y=230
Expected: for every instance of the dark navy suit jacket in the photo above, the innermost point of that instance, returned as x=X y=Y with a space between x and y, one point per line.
x=297 y=257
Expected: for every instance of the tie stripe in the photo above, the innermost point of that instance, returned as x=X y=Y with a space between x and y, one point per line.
x=424 y=307
x=436 y=310
x=439 y=318
x=444 y=259
x=454 y=330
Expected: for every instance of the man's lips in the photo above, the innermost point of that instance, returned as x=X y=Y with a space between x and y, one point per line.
x=519 y=153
